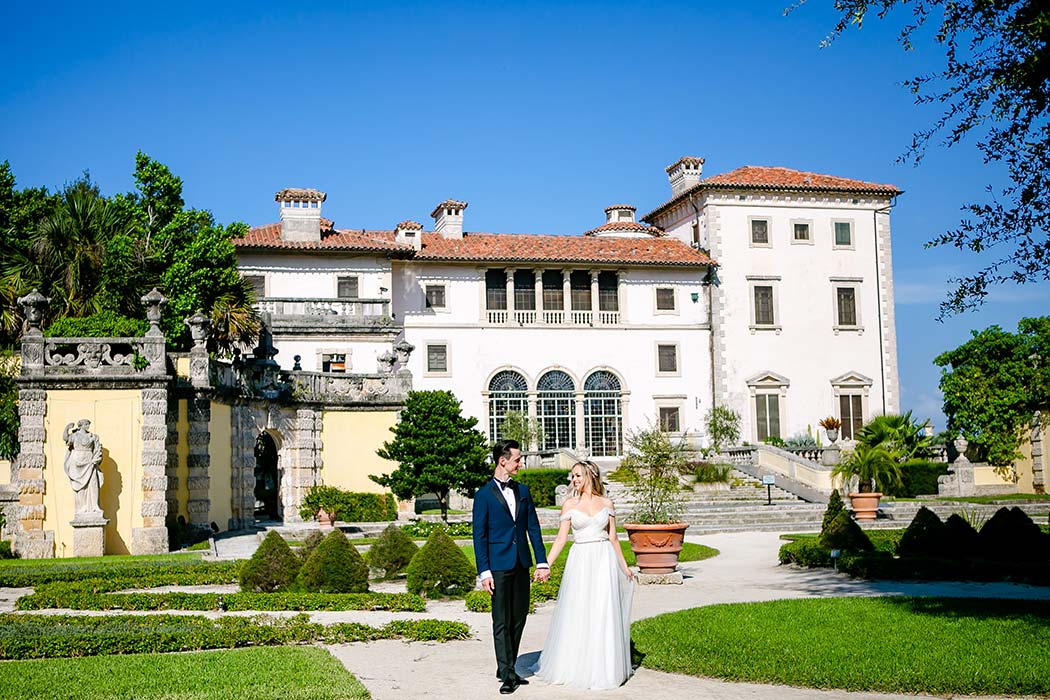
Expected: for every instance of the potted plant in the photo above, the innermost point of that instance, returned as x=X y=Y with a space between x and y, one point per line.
x=323 y=503
x=655 y=466
x=831 y=424
x=873 y=467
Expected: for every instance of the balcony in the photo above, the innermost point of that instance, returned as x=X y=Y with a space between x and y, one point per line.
x=553 y=317
x=322 y=316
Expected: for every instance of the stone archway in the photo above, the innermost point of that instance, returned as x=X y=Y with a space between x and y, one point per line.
x=267 y=478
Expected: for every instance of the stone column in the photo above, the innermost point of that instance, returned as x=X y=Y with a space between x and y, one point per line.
x=581 y=439
x=199 y=460
x=32 y=542
x=304 y=457
x=538 y=291
x=531 y=398
x=510 y=294
x=242 y=468
x=594 y=297
x=1038 y=451
x=152 y=537
x=566 y=293
x=621 y=305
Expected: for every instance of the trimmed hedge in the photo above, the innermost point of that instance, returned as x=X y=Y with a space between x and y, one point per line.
x=349 y=506
x=918 y=478
x=960 y=539
x=392 y=551
x=1011 y=536
x=805 y=552
x=273 y=566
x=335 y=566
x=164 y=573
x=845 y=534
x=425 y=528
x=835 y=506
x=104 y=324
x=542 y=482
x=36 y=637
x=440 y=568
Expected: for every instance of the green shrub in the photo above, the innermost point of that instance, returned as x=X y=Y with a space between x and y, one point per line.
x=349 y=506
x=835 y=506
x=1011 y=536
x=273 y=567
x=119 y=577
x=478 y=601
x=104 y=324
x=960 y=539
x=425 y=528
x=440 y=568
x=427 y=630
x=918 y=478
x=392 y=552
x=542 y=482
x=5 y=550
x=708 y=473
x=335 y=566
x=805 y=552
x=845 y=534
x=924 y=536
x=310 y=544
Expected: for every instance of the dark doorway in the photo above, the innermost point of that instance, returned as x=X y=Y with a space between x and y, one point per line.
x=267 y=479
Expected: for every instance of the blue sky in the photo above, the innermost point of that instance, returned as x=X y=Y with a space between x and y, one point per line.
x=536 y=114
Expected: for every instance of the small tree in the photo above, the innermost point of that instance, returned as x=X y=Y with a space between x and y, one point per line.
x=835 y=506
x=335 y=566
x=723 y=426
x=437 y=449
x=273 y=567
x=656 y=465
x=392 y=552
x=518 y=426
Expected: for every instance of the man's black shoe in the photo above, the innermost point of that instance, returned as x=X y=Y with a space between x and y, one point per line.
x=508 y=687
x=521 y=681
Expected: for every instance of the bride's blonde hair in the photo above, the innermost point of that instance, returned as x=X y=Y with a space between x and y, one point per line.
x=593 y=476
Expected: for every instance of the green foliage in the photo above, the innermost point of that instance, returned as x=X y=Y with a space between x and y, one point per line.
x=5 y=550
x=835 y=506
x=658 y=465
x=723 y=426
x=1011 y=536
x=774 y=441
x=335 y=566
x=440 y=568
x=872 y=467
x=919 y=478
x=903 y=438
x=273 y=567
x=806 y=552
x=478 y=601
x=844 y=533
x=830 y=423
x=9 y=418
x=424 y=528
x=436 y=448
x=518 y=426
x=708 y=473
x=392 y=552
x=349 y=506
x=310 y=544
x=992 y=385
x=542 y=482
x=104 y=324
x=115 y=576
x=924 y=536
x=960 y=538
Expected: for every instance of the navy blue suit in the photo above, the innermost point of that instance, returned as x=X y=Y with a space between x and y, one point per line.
x=501 y=545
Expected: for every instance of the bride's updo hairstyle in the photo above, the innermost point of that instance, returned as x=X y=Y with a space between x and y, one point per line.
x=593 y=476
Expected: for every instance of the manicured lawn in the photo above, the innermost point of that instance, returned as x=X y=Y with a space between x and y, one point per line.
x=917 y=645
x=283 y=673
x=690 y=552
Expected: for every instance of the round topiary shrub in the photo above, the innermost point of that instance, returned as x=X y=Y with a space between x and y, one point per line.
x=924 y=536
x=440 y=568
x=960 y=539
x=845 y=534
x=310 y=544
x=273 y=567
x=335 y=566
x=392 y=552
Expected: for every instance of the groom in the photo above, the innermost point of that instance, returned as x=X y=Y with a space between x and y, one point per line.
x=505 y=521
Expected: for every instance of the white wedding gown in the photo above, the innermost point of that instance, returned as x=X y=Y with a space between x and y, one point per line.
x=589 y=640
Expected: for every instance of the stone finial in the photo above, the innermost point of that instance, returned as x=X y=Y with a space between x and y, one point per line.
x=403 y=350
x=386 y=362
x=199 y=326
x=298 y=366
x=961 y=444
x=448 y=218
x=154 y=303
x=33 y=306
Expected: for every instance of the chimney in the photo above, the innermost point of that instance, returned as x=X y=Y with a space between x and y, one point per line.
x=448 y=219
x=684 y=173
x=300 y=213
x=411 y=233
x=619 y=213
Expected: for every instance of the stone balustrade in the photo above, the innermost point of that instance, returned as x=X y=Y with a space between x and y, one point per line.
x=291 y=306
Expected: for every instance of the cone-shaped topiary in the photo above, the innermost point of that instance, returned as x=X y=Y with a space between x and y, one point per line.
x=1010 y=535
x=835 y=506
x=960 y=539
x=273 y=567
x=440 y=568
x=310 y=544
x=335 y=566
x=924 y=536
x=845 y=534
x=392 y=552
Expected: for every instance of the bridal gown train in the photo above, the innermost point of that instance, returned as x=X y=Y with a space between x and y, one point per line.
x=589 y=641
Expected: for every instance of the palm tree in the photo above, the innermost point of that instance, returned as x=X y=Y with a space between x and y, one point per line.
x=903 y=438
x=872 y=465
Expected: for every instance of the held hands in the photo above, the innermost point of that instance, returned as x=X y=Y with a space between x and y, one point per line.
x=541 y=575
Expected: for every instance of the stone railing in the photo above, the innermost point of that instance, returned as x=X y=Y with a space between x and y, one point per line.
x=747 y=454
x=552 y=317
x=112 y=358
x=813 y=454
x=291 y=306
x=339 y=388
x=796 y=467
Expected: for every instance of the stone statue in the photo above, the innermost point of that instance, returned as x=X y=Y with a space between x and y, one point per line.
x=85 y=454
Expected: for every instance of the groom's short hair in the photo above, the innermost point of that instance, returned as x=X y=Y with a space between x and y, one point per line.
x=503 y=448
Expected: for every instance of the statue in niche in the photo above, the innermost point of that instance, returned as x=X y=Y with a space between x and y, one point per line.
x=82 y=461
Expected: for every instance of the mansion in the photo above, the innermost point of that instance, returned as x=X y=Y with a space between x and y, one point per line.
x=764 y=289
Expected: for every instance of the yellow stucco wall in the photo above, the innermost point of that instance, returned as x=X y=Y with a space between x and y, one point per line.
x=116 y=417
x=986 y=475
x=5 y=471
x=349 y=443
x=220 y=491
x=182 y=449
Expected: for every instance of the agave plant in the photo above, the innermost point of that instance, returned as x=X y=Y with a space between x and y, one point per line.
x=874 y=467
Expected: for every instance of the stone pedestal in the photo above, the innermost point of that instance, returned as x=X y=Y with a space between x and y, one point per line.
x=89 y=535
x=149 y=540
x=674 y=577
x=831 y=455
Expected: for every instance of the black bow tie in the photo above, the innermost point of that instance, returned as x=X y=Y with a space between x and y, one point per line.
x=504 y=484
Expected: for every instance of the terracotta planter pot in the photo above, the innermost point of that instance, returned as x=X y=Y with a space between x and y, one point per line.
x=325 y=519
x=865 y=505
x=656 y=547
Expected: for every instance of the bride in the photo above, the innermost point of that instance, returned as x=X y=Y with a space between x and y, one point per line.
x=589 y=642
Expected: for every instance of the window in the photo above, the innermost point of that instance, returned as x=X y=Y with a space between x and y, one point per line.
x=524 y=290
x=556 y=410
x=846 y=305
x=580 y=290
x=665 y=300
x=767 y=415
x=667 y=359
x=851 y=413
x=435 y=296
x=553 y=290
x=258 y=283
x=765 y=314
x=696 y=233
x=843 y=234
x=333 y=362
x=507 y=392
x=764 y=305
x=495 y=290
x=608 y=291
x=347 y=287
x=602 y=414
x=669 y=419
x=437 y=359
x=760 y=232
x=800 y=231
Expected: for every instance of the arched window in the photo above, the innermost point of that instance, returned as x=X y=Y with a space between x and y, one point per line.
x=602 y=413
x=556 y=410
x=507 y=392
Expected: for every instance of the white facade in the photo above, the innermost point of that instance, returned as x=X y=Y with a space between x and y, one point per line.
x=800 y=314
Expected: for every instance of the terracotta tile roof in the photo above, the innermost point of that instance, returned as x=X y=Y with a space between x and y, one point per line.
x=409 y=225
x=631 y=226
x=299 y=194
x=619 y=206
x=448 y=204
x=757 y=177
x=491 y=247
